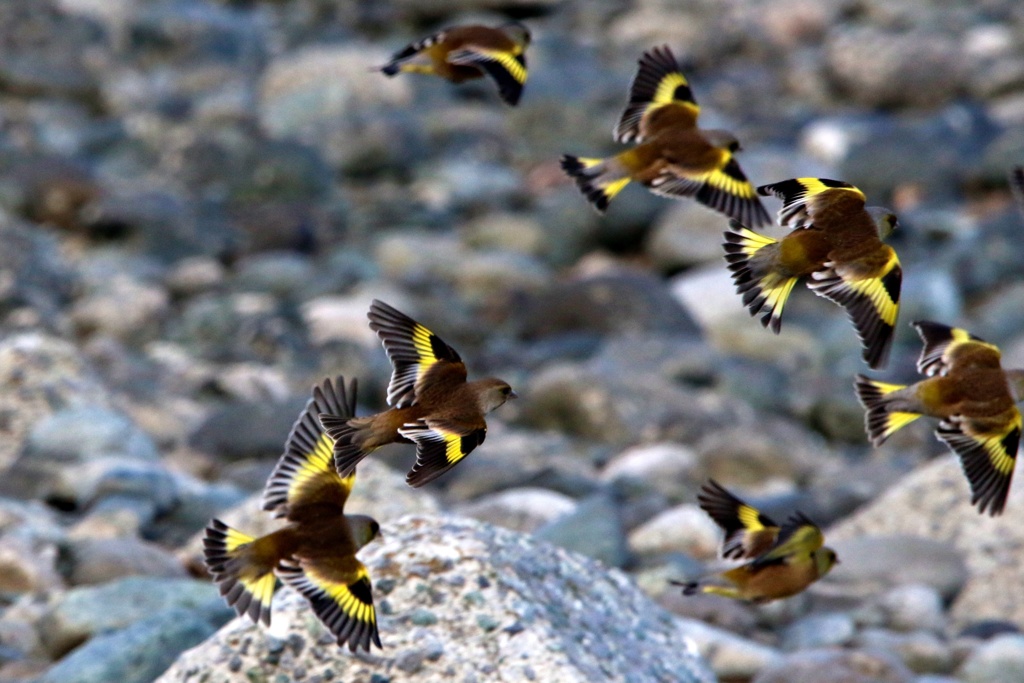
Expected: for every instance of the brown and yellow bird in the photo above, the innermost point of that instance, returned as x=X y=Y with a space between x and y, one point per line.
x=786 y=560
x=973 y=398
x=461 y=53
x=673 y=157
x=835 y=246
x=315 y=552
x=431 y=402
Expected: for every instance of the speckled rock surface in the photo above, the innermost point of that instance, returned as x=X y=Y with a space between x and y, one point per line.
x=465 y=601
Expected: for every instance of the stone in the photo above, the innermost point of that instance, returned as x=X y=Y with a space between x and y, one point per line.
x=593 y=529
x=247 y=429
x=518 y=606
x=933 y=503
x=134 y=654
x=1000 y=660
x=79 y=614
x=843 y=666
x=523 y=509
x=921 y=651
x=664 y=467
x=819 y=631
x=913 y=607
x=873 y=561
x=99 y=560
x=684 y=528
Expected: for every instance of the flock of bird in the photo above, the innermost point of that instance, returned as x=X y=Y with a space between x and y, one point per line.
x=835 y=245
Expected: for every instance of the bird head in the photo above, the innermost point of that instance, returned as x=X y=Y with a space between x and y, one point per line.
x=364 y=529
x=492 y=393
x=885 y=220
x=824 y=559
x=517 y=32
x=722 y=139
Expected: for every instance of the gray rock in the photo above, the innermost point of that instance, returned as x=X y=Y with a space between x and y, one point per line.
x=684 y=528
x=873 y=561
x=28 y=564
x=99 y=560
x=912 y=607
x=921 y=651
x=593 y=529
x=38 y=279
x=526 y=609
x=247 y=429
x=730 y=656
x=39 y=375
x=523 y=509
x=664 y=467
x=123 y=308
x=81 y=613
x=134 y=654
x=1000 y=660
x=934 y=503
x=819 y=631
x=685 y=235
x=842 y=666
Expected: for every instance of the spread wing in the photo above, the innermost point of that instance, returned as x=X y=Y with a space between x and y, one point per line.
x=440 y=445
x=748 y=532
x=988 y=457
x=869 y=290
x=946 y=347
x=657 y=85
x=415 y=354
x=305 y=474
x=506 y=67
x=804 y=198
x=798 y=536
x=341 y=596
x=724 y=188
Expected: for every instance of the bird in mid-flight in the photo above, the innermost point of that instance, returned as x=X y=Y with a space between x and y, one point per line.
x=972 y=396
x=315 y=552
x=836 y=247
x=783 y=560
x=461 y=53
x=672 y=157
x=431 y=402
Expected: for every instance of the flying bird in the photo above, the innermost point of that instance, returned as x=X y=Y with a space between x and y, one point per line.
x=672 y=157
x=783 y=560
x=835 y=246
x=974 y=400
x=315 y=552
x=432 y=404
x=461 y=53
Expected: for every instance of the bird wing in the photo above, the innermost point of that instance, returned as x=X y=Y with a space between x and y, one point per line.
x=305 y=473
x=416 y=354
x=798 y=536
x=506 y=67
x=869 y=290
x=804 y=198
x=440 y=445
x=341 y=596
x=724 y=188
x=657 y=85
x=748 y=532
x=988 y=454
x=947 y=347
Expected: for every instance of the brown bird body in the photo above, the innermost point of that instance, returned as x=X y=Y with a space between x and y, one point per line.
x=674 y=157
x=786 y=560
x=462 y=53
x=836 y=247
x=315 y=552
x=973 y=398
x=432 y=403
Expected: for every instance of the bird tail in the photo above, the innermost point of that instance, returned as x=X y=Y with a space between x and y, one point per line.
x=243 y=569
x=752 y=258
x=696 y=588
x=353 y=440
x=881 y=401
x=598 y=179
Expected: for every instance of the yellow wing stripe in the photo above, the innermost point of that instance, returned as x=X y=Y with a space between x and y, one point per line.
x=749 y=517
x=776 y=295
x=753 y=242
x=667 y=88
x=345 y=598
x=261 y=587
x=897 y=421
x=424 y=349
x=508 y=62
x=726 y=183
x=317 y=462
x=233 y=539
x=875 y=291
x=885 y=388
x=1001 y=460
x=814 y=186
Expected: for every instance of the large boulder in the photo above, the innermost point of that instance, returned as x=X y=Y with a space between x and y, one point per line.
x=461 y=600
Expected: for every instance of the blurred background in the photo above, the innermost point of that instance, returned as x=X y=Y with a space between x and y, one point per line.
x=199 y=199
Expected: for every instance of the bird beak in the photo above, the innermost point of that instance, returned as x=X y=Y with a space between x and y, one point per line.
x=513 y=394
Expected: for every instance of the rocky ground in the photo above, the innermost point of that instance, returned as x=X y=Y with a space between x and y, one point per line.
x=199 y=199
